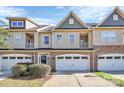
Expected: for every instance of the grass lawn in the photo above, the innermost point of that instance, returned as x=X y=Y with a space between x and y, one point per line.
x=111 y=78
x=22 y=82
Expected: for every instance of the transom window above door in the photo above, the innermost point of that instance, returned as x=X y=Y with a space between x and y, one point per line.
x=108 y=36
x=17 y=23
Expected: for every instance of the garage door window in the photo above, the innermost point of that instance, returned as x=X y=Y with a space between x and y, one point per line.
x=27 y=57
x=76 y=57
x=101 y=58
x=68 y=57
x=19 y=57
x=108 y=57
x=122 y=57
x=84 y=57
x=4 y=57
x=60 y=57
x=117 y=57
x=12 y=58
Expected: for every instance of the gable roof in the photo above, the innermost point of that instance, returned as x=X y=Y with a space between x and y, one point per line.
x=75 y=16
x=116 y=9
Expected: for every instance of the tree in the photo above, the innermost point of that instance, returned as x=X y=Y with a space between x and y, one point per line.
x=4 y=35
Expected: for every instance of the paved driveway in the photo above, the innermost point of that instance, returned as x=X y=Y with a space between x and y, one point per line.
x=77 y=79
x=118 y=74
x=4 y=75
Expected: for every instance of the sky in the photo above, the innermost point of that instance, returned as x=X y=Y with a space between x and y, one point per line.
x=53 y=14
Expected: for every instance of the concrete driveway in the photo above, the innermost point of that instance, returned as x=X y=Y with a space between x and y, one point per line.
x=77 y=79
x=118 y=74
x=4 y=74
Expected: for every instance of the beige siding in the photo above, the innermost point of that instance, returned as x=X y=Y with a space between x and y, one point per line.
x=11 y=43
x=41 y=41
x=29 y=24
x=65 y=43
x=97 y=37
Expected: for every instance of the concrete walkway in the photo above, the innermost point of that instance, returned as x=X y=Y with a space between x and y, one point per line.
x=77 y=79
x=4 y=74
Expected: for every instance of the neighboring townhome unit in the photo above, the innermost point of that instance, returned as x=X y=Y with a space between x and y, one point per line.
x=70 y=45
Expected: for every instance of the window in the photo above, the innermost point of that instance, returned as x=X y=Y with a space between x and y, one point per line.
x=101 y=57
x=60 y=57
x=118 y=57
x=27 y=57
x=122 y=57
x=12 y=57
x=19 y=57
x=17 y=23
x=46 y=39
x=59 y=39
x=71 y=21
x=68 y=57
x=17 y=38
x=76 y=57
x=4 y=57
x=108 y=57
x=115 y=17
x=84 y=57
x=108 y=36
x=71 y=38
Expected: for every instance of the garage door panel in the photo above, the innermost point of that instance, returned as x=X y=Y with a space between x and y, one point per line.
x=115 y=63
x=73 y=63
x=8 y=61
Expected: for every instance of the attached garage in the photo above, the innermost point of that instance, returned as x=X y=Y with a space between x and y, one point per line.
x=111 y=62
x=8 y=61
x=75 y=62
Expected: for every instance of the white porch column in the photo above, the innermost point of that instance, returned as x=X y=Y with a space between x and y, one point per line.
x=36 y=37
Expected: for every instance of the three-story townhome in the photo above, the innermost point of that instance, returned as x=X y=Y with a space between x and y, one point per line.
x=70 y=45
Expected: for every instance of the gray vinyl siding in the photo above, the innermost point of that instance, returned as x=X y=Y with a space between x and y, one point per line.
x=110 y=22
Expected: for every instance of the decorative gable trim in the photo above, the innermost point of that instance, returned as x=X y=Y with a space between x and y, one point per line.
x=116 y=9
x=75 y=16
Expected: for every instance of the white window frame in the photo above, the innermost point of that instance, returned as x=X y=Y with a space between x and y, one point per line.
x=71 y=40
x=17 y=38
x=48 y=39
x=71 y=21
x=59 y=41
x=115 y=17
x=107 y=36
x=17 y=23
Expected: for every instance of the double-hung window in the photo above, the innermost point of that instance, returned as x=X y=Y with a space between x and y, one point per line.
x=71 y=38
x=17 y=23
x=59 y=38
x=17 y=38
x=108 y=36
x=115 y=17
x=46 y=39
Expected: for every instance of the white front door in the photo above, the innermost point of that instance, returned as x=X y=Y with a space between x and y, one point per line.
x=72 y=62
x=110 y=62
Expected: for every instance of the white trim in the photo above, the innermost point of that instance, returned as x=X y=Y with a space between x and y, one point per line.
x=76 y=17
x=42 y=29
x=17 y=24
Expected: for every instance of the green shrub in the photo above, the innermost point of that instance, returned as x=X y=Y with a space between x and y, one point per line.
x=19 y=70
x=39 y=70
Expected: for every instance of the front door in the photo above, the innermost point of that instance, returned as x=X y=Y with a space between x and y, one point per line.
x=43 y=59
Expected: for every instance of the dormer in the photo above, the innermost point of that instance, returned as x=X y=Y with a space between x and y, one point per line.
x=21 y=23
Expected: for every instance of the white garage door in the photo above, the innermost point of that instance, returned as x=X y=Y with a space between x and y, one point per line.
x=111 y=62
x=72 y=62
x=8 y=61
